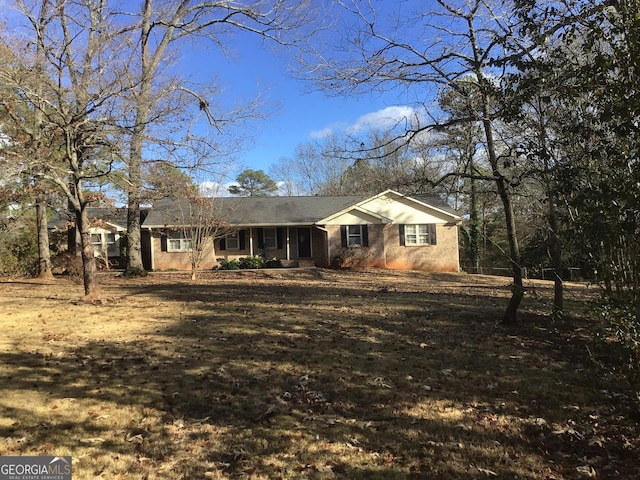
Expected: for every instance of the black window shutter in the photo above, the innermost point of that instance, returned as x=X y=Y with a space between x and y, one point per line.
x=343 y=235
x=261 y=238
x=279 y=239
x=241 y=242
x=223 y=243
x=402 y=235
x=432 y=234
x=163 y=241
x=365 y=235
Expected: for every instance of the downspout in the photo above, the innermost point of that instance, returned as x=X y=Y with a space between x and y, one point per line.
x=328 y=244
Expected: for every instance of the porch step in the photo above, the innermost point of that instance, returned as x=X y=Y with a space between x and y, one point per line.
x=303 y=263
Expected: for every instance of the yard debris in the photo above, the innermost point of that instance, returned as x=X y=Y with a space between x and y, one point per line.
x=487 y=472
x=91 y=440
x=381 y=382
x=268 y=413
x=587 y=470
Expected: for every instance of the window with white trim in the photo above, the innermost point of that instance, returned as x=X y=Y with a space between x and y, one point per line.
x=270 y=238
x=110 y=241
x=232 y=241
x=177 y=241
x=419 y=234
x=105 y=241
x=354 y=235
x=96 y=240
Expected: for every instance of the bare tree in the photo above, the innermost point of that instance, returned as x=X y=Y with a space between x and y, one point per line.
x=164 y=27
x=204 y=223
x=424 y=51
x=71 y=73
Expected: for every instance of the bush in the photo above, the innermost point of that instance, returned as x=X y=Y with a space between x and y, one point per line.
x=225 y=264
x=273 y=263
x=251 y=263
x=248 y=263
x=621 y=336
x=19 y=250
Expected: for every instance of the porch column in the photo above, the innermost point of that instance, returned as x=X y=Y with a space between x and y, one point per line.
x=288 y=246
x=251 y=241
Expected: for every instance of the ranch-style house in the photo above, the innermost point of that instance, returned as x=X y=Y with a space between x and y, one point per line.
x=388 y=230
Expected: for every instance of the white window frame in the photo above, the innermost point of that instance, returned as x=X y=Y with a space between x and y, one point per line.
x=177 y=241
x=354 y=238
x=232 y=241
x=111 y=243
x=96 y=240
x=270 y=237
x=418 y=234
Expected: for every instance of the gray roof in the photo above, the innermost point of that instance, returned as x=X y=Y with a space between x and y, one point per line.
x=114 y=216
x=269 y=211
x=254 y=211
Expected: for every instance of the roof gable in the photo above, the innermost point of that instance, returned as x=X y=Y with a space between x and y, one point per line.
x=393 y=207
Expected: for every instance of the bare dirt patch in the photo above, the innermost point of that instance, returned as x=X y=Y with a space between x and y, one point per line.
x=307 y=374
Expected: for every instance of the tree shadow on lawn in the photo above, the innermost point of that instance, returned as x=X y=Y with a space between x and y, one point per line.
x=276 y=380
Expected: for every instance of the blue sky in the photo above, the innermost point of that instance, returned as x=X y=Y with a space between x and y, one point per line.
x=297 y=114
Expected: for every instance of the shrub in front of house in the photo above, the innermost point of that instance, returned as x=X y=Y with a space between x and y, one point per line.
x=247 y=263
x=224 y=264
x=273 y=263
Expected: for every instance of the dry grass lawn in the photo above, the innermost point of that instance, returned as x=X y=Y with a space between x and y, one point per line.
x=313 y=374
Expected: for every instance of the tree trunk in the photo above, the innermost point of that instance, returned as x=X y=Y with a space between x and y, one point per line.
x=143 y=106
x=474 y=230
x=44 y=254
x=517 y=292
x=135 y=266
x=556 y=260
x=89 y=269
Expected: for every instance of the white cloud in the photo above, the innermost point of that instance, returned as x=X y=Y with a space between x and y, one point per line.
x=210 y=188
x=325 y=132
x=389 y=118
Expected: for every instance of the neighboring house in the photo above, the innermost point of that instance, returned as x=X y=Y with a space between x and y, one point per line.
x=108 y=230
x=387 y=230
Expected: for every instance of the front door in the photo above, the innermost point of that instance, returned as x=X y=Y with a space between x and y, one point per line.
x=304 y=242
